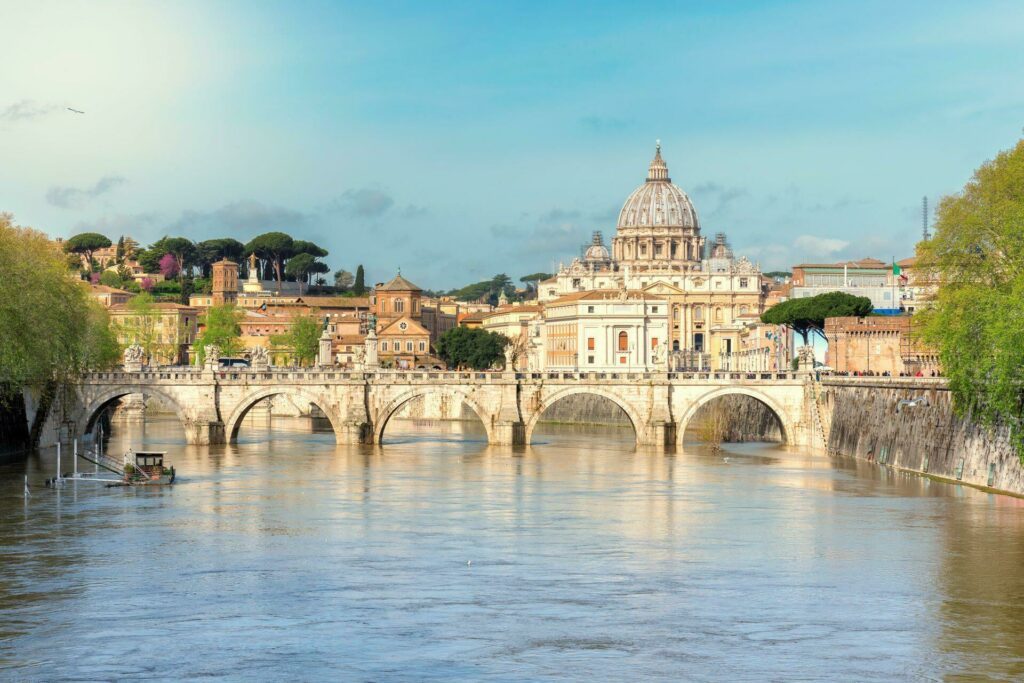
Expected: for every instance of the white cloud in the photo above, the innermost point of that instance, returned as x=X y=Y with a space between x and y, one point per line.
x=826 y=246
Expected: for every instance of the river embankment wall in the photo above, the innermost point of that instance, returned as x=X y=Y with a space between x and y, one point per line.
x=864 y=418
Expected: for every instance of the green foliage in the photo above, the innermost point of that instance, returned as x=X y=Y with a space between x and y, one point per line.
x=51 y=330
x=462 y=347
x=85 y=244
x=782 y=274
x=166 y=287
x=359 y=288
x=303 y=340
x=304 y=247
x=211 y=251
x=976 y=321
x=807 y=315
x=111 y=279
x=273 y=247
x=485 y=290
x=221 y=327
x=343 y=279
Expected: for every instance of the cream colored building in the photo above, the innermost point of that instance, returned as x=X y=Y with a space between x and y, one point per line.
x=600 y=331
x=658 y=249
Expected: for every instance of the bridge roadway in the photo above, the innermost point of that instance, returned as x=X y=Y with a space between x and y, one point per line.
x=212 y=403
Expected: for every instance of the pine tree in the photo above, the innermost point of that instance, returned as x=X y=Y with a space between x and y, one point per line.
x=360 y=287
x=120 y=249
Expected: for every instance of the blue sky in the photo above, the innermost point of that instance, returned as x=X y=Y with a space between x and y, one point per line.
x=457 y=140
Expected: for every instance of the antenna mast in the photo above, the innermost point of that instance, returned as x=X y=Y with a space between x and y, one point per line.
x=924 y=217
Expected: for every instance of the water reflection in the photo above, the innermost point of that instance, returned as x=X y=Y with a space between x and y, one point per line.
x=437 y=556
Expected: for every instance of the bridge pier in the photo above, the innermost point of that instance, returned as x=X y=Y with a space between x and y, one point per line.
x=508 y=433
x=204 y=432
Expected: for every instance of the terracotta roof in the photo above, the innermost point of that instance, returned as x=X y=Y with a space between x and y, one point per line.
x=414 y=328
x=337 y=301
x=399 y=283
x=907 y=262
x=863 y=263
x=162 y=305
x=605 y=295
x=351 y=339
x=103 y=289
x=478 y=315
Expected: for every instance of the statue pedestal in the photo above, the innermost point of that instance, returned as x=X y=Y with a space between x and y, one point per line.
x=133 y=366
x=324 y=358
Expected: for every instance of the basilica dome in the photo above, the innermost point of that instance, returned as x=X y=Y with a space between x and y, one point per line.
x=658 y=202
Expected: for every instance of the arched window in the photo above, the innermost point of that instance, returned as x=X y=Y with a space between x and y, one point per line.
x=675 y=344
x=698 y=313
x=743 y=310
x=675 y=313
x=399 y=305
x=718 y=315
x=623 y=341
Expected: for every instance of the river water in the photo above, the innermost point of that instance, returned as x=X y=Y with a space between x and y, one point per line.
x=437 y=557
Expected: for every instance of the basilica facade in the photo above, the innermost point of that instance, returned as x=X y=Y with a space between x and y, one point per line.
x=696 y=298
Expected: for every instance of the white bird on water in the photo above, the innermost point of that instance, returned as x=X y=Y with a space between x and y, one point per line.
x=469 y=563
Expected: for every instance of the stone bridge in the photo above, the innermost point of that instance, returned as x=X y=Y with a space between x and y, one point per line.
x=212 y=403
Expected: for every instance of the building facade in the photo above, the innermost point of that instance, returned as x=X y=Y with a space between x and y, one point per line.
x=707 y=294
x=878 y=345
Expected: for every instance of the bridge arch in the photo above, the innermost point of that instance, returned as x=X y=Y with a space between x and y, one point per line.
x=785 y=424
x=93 y=408
x=391 y=407
x=240 y=410
x=546 y=402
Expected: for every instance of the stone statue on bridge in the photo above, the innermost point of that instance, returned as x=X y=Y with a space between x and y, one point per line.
x=133 y=357
x=212 y=354
x=260 y=358
x=660 y=356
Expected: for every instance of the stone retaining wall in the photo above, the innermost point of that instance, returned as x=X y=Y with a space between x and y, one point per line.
x=862 y=421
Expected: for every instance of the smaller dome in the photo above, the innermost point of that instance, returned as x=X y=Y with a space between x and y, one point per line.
x=597 y=252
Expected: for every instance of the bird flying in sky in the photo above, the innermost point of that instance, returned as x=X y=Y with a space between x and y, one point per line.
x=75 y=110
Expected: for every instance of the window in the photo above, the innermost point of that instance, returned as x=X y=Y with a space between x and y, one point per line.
x=399 y=305
x=590 y=309
x=698 y=313
x=383 y=346
x=743 y=310
x=423 y=346
x=590 y=343
x=675 y=313
x=744 y=282
x=408 y=346
x=654 y=309
x=623 y=341
x=590 y=359
x=718 y=315
x=654 y=342
x=643 y=250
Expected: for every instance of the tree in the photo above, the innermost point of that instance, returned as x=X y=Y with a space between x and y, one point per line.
x=486 y=290
x=169 y=266
x=51 y=329
x=221 y=328
x=275 y=247
x=299 y=267
x=533 y=279
x=976 y=321
x=303 y=340
x=304 y=247
x=807 y=315
x=111 y=279
x=211 y=251
x=85 y=244
x=359 y=288
x=462 y=347
x=120 y=249
x=141 y=326
x=343 y=279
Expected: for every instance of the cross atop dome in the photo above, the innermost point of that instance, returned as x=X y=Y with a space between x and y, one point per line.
x=658 y=169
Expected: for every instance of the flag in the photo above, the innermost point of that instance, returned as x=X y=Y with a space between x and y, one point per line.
x=895 y=268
